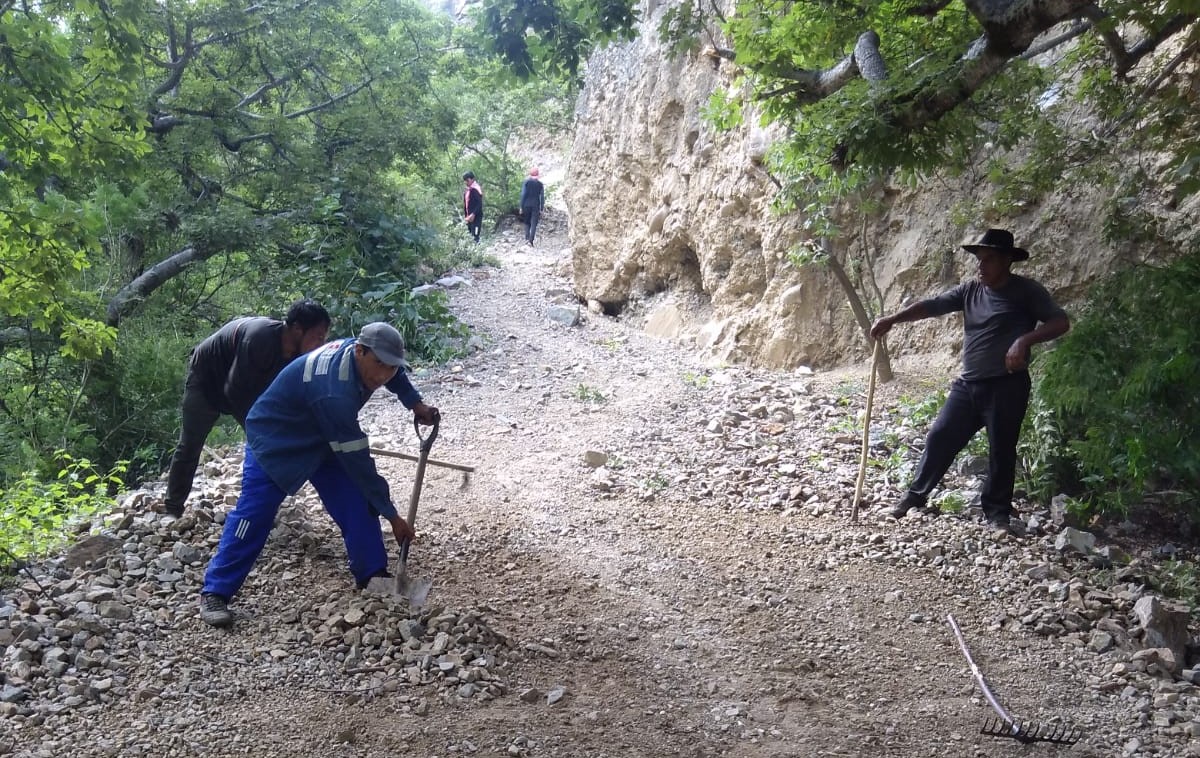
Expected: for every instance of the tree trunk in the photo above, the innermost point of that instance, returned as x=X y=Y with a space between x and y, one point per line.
x=860 y=311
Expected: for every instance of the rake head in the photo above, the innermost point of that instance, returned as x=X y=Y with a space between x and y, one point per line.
x=1058 y=734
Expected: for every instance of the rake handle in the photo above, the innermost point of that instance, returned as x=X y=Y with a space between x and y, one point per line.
x=975 y=672
x=432 y=462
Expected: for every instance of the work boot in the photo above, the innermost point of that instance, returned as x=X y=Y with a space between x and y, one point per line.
x=370 y=582
x=214 y=610
x=1005 y=523
x=906 y=504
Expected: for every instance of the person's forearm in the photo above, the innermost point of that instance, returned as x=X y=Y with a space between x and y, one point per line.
x=914 y=312
x=1055 y=327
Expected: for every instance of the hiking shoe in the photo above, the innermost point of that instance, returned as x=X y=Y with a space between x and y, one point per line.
x=370 y=582
x=214 y=610
x=906 y=504
x=1005 y=524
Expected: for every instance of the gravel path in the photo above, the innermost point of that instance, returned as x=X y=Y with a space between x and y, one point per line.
x=653 y=558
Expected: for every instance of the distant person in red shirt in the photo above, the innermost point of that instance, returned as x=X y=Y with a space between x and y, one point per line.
x=473 y=205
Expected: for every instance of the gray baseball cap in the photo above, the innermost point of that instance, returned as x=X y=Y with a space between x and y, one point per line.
x=384 y=341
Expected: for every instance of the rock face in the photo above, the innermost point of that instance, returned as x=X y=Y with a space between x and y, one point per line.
x=671 y=222
x=672 y=216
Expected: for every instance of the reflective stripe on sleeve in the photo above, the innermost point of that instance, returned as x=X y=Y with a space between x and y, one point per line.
x=350 y=447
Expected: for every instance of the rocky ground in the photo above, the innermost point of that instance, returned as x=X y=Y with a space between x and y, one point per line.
x=652 y=558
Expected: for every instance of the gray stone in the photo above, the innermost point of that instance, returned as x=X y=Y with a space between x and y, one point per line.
x=453 y=282
x=188 y=554
x=12 y=694
x=530 y=695
x=112 y=609
x=594 y=458
x=1157 y=661
x=562 y=314
x=1072 y=539
x=1101 y=642
x=90 y=550
x=1164 y=625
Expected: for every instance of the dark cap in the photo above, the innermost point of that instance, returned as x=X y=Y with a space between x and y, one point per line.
x=384 y=341
x=997 y=239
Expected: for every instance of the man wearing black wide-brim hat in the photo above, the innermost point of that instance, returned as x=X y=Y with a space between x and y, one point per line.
x=1004 y=315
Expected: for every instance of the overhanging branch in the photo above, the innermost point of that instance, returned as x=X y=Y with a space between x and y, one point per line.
x=132 y=294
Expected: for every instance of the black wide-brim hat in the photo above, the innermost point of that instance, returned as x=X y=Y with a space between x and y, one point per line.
x=997 y=239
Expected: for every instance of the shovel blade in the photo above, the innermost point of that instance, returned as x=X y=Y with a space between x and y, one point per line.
x=415 y=589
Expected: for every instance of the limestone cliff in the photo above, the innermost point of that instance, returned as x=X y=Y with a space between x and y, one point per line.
x=671 y=222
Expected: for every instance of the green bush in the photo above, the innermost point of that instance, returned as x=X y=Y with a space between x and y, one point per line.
x=38 y=511
x=1117 y=413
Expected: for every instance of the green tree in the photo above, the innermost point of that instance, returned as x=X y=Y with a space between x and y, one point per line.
x=1120 y=393
x=549 y=38
x=275 y=129
x=169 y=165
x=68 y=79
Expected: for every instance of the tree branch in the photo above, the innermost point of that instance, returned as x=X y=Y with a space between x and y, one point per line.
x=1151 y=43
x=132 y=294
x=1011 y=26
x=331 y=101
x=1151 y=87
x=233 y=145
x=258 y=94
x=929 y=9
x=1077 y=29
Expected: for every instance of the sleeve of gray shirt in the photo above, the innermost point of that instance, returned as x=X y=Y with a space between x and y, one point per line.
x=1041 y=304
x=947 y=302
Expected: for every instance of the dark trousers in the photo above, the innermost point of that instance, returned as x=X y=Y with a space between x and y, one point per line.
x=531 y=221
x=198 y=418
x=996 y=404
x=474 y=227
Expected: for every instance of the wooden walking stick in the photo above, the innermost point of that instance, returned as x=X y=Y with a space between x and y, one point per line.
x=866 y=443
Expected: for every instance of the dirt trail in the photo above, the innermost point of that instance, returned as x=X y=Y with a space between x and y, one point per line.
x=703 y=594
x=681 y=628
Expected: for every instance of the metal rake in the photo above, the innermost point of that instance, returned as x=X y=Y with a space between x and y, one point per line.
x=1058 y=734
x=1006 y=725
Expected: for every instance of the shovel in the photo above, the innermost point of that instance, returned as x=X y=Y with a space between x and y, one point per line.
x=416 y=589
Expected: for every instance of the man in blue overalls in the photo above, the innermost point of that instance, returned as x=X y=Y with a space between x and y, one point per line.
x=304 y=428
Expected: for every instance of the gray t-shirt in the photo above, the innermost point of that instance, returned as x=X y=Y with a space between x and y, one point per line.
x=994 y=319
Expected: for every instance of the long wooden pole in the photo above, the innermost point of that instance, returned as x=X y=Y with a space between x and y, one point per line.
x=866 y=440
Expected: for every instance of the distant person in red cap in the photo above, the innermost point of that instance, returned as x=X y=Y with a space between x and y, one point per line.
x=533 y=202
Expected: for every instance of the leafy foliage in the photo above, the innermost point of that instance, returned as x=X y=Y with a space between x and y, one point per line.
x=1120 y=392
x=549 y=37
x=37 y=511
x=169 y=166
x=68 y=77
